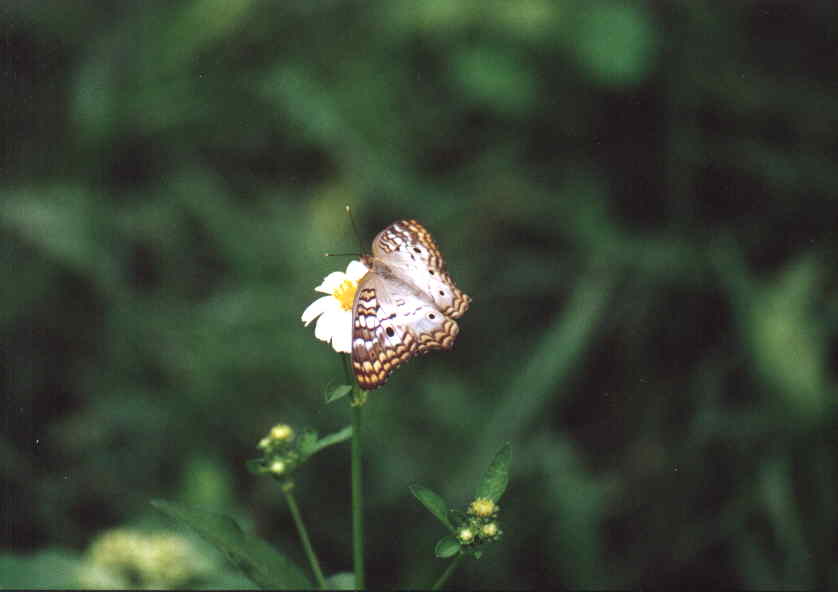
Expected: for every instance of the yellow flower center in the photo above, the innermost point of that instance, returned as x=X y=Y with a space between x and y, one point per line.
x=345 y=294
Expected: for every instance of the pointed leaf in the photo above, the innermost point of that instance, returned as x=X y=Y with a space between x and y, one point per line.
x=447 y=546
x=496 y=477
x=307 y=443
x=256 y=559
x=339 y=392
x=336 y=438
x=433 y=502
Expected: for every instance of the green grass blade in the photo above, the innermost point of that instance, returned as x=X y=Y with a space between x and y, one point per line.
x=257 y=560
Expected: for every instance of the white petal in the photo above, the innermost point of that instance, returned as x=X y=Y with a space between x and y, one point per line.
x=342 y=335
x=331 y=282
x=356 y=270
x=318 y=307
x=325 y=324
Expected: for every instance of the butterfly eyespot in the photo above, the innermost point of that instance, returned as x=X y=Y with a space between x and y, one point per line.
x=417 y=249
x=431 y=271
x=390 y=331
x=431 y=316
x=441 y=293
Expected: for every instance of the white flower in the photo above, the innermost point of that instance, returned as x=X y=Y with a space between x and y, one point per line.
x=335 y=310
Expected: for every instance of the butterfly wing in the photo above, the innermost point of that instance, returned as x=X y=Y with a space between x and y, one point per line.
x=391 y=323
x=407 y=249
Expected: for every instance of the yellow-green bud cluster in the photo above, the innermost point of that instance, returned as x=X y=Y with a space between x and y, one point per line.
x=279 y=452
x=482 y=525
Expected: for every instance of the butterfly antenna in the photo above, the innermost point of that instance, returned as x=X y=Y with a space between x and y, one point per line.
x=355 y=228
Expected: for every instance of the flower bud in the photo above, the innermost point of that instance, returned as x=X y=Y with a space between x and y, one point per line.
x=277 y=467
x=482 y=507
x=282 y=433
x=465 y=536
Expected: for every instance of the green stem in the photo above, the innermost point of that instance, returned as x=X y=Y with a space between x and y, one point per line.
x=357 y=500
x=301 y=529
x=447 y=573
x=357 y=403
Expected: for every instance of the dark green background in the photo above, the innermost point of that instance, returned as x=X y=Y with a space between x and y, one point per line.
x=640 y=197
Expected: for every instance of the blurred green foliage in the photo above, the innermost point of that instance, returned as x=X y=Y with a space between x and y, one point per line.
x=640 y=198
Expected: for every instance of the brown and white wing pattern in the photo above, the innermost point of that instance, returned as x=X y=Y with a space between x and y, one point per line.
x=390 y=324
x=408 y=250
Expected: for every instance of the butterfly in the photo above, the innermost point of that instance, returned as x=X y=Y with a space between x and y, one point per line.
x=404 y=306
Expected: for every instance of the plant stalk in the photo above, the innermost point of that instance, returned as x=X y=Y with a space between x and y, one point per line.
x=356 y=404
x=357 y=500
x=301 y=529
x=447 y=573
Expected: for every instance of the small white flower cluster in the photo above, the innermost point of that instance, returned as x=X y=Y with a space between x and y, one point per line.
x=127 y=558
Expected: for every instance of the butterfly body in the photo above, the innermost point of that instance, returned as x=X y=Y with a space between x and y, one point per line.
x=405 y=305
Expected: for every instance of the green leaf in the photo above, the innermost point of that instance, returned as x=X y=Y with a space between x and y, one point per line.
x=336 y=438
x=433 y=502
x=447 y=546
x=786 y=343
x=310 y=444
x=339 y=392
x=344 y=580
x=256 y=559
x=307 y=443
x=496 y=477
